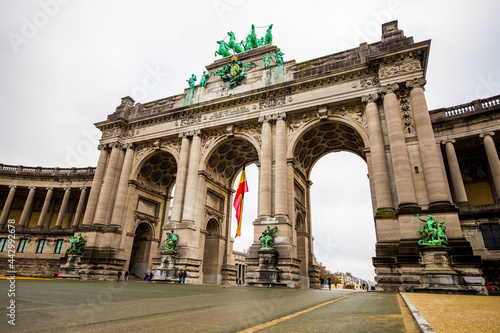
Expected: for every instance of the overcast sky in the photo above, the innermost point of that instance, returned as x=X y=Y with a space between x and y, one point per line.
x=66 y=64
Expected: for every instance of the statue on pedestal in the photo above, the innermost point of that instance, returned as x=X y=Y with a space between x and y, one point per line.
x=433 y=232
x=171 y=241
x=267 y=60
x=77 y=245
x=204 y=79
x=266 y=239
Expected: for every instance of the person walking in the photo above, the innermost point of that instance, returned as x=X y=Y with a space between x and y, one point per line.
x=180 y=277
x=125 y=277
x=184 y=275
x=119 y=276
x=322 y=282
x=329 y=283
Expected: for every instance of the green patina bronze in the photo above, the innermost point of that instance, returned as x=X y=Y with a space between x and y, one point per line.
x=433 y=232
x=266 y=239
x=236 y=47
x=192 y=81
x=279 y=58
x=234 y=71
x=267 y=60
x=77 y=244
x=204 y=79
x=171 y=241
x=269 y=36
x=223 y=49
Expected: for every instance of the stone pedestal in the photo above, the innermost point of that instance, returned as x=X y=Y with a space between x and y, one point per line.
x=166 y=272
x=70 y=269
x=267 y=275
x=438 y=276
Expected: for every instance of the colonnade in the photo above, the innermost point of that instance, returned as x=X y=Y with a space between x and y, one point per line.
x=435 y=179
x=75 y=211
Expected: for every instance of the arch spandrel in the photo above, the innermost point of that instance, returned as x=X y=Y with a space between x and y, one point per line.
x=145 y=152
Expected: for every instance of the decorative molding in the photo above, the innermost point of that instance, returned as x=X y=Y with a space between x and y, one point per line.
x=272 y=102
x=141 y=217
x=416 y=83
x=371 y=98
x=404 y=103
x=399 y=67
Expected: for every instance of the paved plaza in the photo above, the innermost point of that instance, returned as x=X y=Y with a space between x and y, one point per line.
x=135 y=306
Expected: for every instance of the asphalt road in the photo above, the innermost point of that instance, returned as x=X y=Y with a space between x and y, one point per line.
x=92 y=306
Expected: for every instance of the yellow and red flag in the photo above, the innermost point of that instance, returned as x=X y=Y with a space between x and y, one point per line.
x=238 y=200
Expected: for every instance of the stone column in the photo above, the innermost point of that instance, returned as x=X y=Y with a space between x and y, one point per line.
x=491 y=152
x=7 y=206
x=380 y=179
x=107 y=186
x=79 y=208
x=121 y=195
x=71 y=211
x=399 y=154
x=456 y=175
x=192 y=179
x=62 y=209
x=24 y=220
x=280 y=187
x=45 y=208
x=436 y=184
x=114 y=187
x=266 y=170
x=96 y=187
x=180 y=180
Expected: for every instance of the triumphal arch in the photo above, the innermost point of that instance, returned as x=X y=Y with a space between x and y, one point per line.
x=168 y=166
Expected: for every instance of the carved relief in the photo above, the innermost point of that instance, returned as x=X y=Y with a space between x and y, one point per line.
x=190 y=120
x=399 y=67
x=272 y=102
x=404 y=102
x=114 y=132
x=253 y=130
x=368 y=82
x=296 y=122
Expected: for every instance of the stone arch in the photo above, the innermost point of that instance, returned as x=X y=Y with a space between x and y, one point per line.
x=141 y=248
x=213 y=253
x=156 y=169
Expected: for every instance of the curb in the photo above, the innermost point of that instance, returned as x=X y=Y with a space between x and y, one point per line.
x=422 y=323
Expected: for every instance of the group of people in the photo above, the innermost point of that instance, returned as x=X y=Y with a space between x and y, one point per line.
x=148 y=277
x=329 y=281
x=182 y=277
x=119 y=276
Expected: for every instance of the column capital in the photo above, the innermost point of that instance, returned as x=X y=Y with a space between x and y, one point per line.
x=102 y=146
x=13 y=186
x=129 y=145
x=115 y=144
x=416 y=83
x=486 y=134
x=50 y=189
x=32 y=187
x=188 y=134
x=281 y=116
x=83 y=188
x=371 y=98
x=449 y=140
x=264 y=119
x=389 y=89
x=67 y=189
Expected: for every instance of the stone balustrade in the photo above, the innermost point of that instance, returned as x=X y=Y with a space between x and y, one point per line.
x=474 y=107
x=47 y=172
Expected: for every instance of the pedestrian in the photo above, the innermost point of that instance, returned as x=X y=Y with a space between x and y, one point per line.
x=146 y=275
x=329 y=283
x=150 y=276
x=119 y=276
x=180 y=277
x=184 y=275
x=56 y=274
x=322 y=282
x=125 y=277
x=364 y=286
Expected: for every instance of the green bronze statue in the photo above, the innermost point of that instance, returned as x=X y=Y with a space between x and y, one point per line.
x=269 y=36
x=234 y=72
x=77 y=244
x=279 y=58
x=171 y=241
x=192 y=82
x=223 y=49
x=236 y=47
x=267 y=60
x=433 y=232
x=266 y=239
x=204 y=79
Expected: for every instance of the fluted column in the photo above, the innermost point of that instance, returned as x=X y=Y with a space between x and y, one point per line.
x=494 y=162
x=107 y=186
x=24 y=220
x=96 y=187
x=121 y=195
x=62 y=209
x=399 y=154
x=45 y=208
x=7 y=206
x=266 y=170
x=79 y=208
x=71 y=211
x=456 y=175
x=436 y=184
x=114 y=186
x=180 y=180
x=192 y=179
x=380 y=179
x=281 y=193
